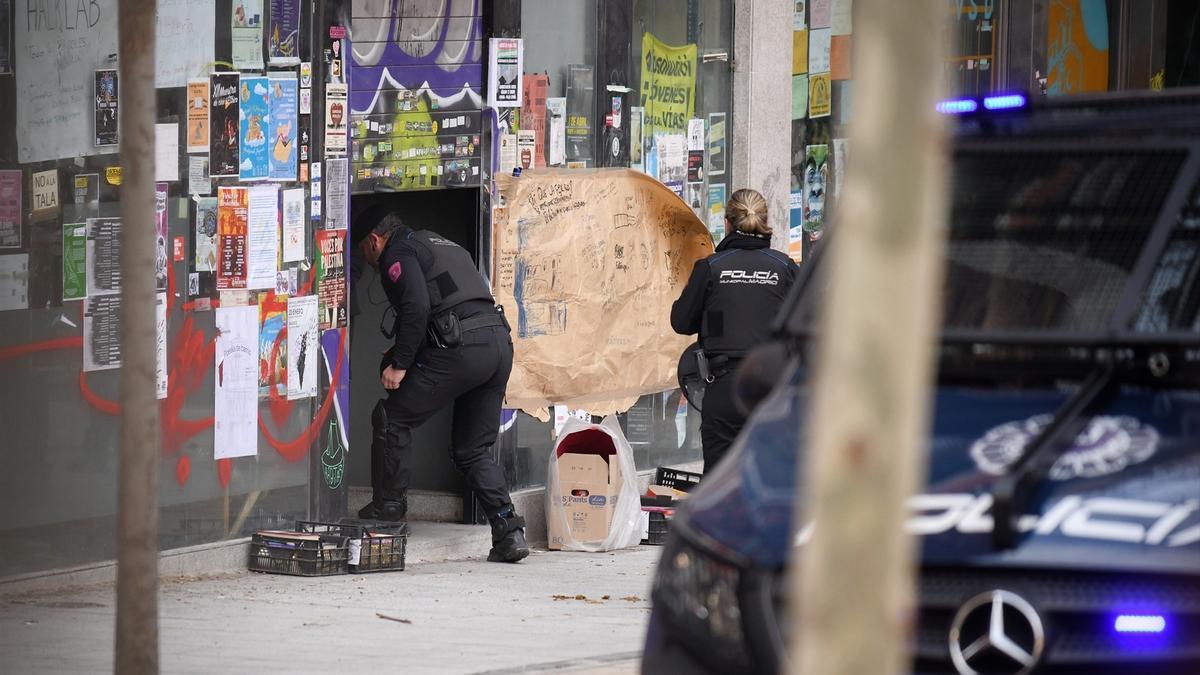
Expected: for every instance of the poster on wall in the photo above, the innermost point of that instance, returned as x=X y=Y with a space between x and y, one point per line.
x=185 y=31
x=284 y=124
x=102 y=332
x=199 y=182
x=533 y=113
x=262 y=237
x=246 y=26
x=5 y=33
x=839 y=167
x=636 y=139
x=107 y=108
x=695 y=149
x=254 y=98
x=235 y=419
x=225 y=113
x=816 y=175
x=74 y=261
x=103 y=256
x=819 y=13
x=335 y=119
x=337 y=194
x=556 y=111
x=11 y=193
x=87 y=190
x=820 y=95
x=272 y=346
x=283 y=42
x=1077 y=49
x=331 y=278
x=197 y=115
x=796 y=225
x=799 y=12
x=206 y=234
x=580 y=108
x=505 y=57
x=671 y=154
x=160 y=236
x=716 y=211
x=526 y=148
x=166 y=152
x=819 y=46
x=43 y=194
x=160 y=345
x=14 y=281
x=668 y=85
x=302 y=354
x=293 y=225
x=232 y=225
x=56 y=78
x=716 y=144
x=799 y=97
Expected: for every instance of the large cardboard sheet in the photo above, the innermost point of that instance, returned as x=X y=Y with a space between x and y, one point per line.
x=587 y=265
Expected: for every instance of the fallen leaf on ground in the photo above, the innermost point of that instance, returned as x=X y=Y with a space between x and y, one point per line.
x=605 y=597
x=631 y=598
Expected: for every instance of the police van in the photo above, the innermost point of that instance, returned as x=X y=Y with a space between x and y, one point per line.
x=1059 y=521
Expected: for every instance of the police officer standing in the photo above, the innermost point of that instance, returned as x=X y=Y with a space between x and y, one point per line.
x=730 y=300
x=452 y=346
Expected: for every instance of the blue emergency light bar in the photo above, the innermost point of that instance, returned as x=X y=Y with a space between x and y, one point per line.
x=998 y=102
x=957 y=106
x=1004 y=102
x=1140 y=623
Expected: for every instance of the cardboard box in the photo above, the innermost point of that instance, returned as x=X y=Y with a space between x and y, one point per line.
x=588 y=489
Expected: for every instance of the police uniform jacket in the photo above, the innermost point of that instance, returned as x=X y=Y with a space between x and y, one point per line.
x=423 y=276
x=733 y=295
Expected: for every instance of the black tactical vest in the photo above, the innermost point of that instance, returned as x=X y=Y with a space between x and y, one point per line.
x=745 y=290
x=451 y=277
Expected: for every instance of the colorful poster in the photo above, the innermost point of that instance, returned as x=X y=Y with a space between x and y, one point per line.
x=716 y=211
x=799 y=97
x=581 y=105
x=262 y=237
x=293 y=225
x=283 y=43
x=820 y=100
x=799 y=52
x=247 y=34
x=1077 y=49
x=87 y=191
x=225 y=114
x=272 y=346
x=796 y=225
x=816 y=175
x=335 y=119
x=55 y=72
x=302 y=355
x=206 y=234
x=14 y=281
x=233 y=216
x=235 y=423
x=74 y=261
x=840 y=53
x=331 y=278
x=526 y=148
x=254 y=98
x=668 y=85
x=107 y=108
x=161 y=253
x=533 y=113
x=185 y=31
x=504 y=72
x=283 y=125
x=197 y=115
x=716 y=144
x=11 y=193
x=671 y=155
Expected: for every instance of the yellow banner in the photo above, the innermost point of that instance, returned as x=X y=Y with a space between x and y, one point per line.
x=668 y=85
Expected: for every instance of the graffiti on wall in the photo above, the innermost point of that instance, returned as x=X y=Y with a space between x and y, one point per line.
x=416 y=79
x=1077 y=49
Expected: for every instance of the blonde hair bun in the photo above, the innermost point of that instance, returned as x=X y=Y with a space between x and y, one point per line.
x=747 y=212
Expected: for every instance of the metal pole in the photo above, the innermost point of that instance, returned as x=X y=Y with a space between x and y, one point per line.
x=853 y=579
x=137 y=508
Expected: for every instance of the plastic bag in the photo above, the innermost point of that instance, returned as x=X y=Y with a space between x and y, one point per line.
x=626 y=528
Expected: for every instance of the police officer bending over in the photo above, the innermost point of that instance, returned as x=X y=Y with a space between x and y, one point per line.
x=452 y=346
x=730 y=300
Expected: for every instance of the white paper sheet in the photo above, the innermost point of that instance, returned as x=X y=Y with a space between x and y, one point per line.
x=185 y=36
x=166 y=152
x=819 y=42
x=14 y=281
x=160 y=315
x=293 y=225
x=556 y=111
x=199 y=182
x=262 y=238
x=235 y=430
x=303 y=351
x=337 y=194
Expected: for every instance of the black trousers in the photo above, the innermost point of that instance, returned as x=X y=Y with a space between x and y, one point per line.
x=471 y=377
x=720 y=422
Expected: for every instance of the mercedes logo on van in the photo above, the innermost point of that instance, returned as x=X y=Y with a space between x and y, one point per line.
x=996 y=632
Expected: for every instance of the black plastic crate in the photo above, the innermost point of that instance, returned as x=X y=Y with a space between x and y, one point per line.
x=279 y=552
x=677 y=478
x=380 y=547
x=660 y=524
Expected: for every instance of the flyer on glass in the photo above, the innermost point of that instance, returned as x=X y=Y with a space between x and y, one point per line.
x=225 y=112
x=254 y=97
x=302 y=355
x=198 y=93
x=235 y=423
x=283 y=126
x=232 y=225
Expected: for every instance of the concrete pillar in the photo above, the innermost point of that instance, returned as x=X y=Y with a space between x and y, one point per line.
x=762 y=105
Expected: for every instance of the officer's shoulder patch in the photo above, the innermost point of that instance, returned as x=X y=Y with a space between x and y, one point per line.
x=394 y=271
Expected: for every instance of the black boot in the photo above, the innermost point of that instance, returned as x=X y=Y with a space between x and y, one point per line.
x=508 y=537
x=385 y=511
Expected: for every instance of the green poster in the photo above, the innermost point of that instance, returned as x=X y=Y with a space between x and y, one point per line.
x=74 y=261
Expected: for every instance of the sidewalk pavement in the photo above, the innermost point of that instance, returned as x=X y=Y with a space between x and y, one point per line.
x=554 y=612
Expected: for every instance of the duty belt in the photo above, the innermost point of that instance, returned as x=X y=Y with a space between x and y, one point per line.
x=482 y=320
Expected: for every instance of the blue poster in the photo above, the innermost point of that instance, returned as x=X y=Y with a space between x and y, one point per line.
x=283 y=128
x=252 y=141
